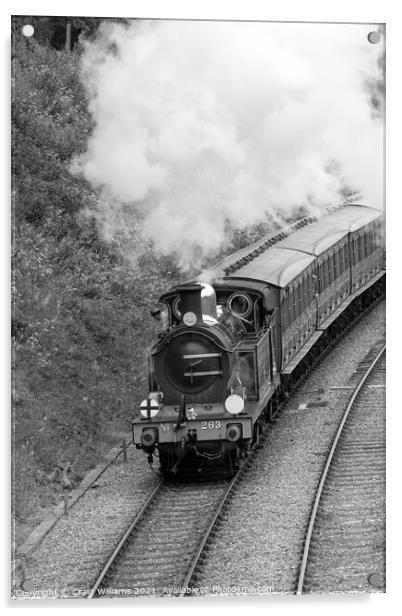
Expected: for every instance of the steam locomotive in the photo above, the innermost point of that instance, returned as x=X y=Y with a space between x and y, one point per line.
x=234 y=340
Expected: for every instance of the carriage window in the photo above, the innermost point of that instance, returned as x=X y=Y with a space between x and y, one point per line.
x=321 y=276
x=291 y=308
x=360 y=248
x=371 y=240
x=297 y=299
x=290 y=303
x=300 y=296
x=377 y=236
x=284 y=308
x=310 y=287
x=292 y=299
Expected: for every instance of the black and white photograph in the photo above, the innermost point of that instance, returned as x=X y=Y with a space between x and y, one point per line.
x=197 y=308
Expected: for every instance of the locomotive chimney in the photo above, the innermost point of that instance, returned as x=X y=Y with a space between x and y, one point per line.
x=190 y=304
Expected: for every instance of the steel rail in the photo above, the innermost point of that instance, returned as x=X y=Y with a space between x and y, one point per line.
x=217 y=512
x=125 y=537
x=207 y=533
x=313 y=515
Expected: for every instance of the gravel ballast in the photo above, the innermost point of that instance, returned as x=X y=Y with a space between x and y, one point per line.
x=71 y=555
x=259 y=544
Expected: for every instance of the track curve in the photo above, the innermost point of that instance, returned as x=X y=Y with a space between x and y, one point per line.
x=352 y=464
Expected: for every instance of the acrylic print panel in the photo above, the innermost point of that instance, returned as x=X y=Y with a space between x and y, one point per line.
x=198 y=296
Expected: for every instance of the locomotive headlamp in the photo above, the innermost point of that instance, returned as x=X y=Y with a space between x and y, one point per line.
x=234 y=404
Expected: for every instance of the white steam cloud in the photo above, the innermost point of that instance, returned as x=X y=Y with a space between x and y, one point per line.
x=199 y=122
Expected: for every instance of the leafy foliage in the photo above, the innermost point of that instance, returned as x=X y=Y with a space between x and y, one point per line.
x=80 y=321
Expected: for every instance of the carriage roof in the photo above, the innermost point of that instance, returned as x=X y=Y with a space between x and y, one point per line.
x=281 y=263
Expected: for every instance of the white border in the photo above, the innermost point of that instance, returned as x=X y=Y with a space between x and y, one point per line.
x=368 y=11
x=294 y=10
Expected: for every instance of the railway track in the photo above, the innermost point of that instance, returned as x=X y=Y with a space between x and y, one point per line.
x=165 y=544
x=345 y=541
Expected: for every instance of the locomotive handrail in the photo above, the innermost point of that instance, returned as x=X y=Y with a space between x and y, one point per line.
x=313 y=515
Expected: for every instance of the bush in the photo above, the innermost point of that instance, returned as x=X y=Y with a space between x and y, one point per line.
x=80 y=317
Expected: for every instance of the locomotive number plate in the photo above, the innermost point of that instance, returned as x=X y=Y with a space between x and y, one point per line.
x=211 y=425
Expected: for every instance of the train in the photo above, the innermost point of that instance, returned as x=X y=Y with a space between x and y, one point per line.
x=234 y=340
